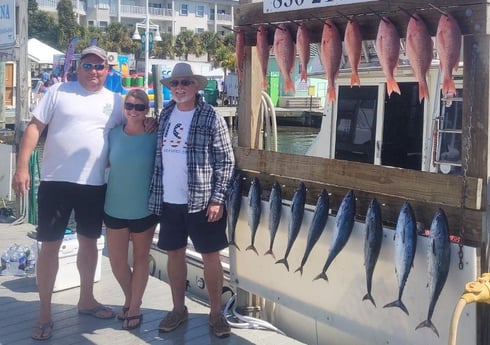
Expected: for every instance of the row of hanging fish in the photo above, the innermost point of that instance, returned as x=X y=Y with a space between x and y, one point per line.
x=419 y=47
x=405 y=236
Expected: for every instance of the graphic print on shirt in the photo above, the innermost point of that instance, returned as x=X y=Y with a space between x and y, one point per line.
x=174 y=142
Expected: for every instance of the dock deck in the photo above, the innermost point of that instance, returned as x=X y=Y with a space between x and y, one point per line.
x=19 y=305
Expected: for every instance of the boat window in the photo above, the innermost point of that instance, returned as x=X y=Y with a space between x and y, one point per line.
x=403 y=129
x=449 y=133
x=356 y=123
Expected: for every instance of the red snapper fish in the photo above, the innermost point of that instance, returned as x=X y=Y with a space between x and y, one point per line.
x=303 y=45
x=448 y=39
x=263 y=50
x=419 y=50
x=285 y=53
x=330 y=55
x=353 y=46
x=388 y=50
x=240 y=51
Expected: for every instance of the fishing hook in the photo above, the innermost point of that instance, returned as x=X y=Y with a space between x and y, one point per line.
x=408 y=13
x=438 y=9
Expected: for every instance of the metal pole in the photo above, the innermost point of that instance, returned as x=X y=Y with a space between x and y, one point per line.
x=147 y=46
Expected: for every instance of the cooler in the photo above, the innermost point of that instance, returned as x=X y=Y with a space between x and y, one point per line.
x=68 y=276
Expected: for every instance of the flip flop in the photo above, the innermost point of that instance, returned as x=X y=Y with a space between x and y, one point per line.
x=95 y=312
x=135 y=317
x=124 y=310
x=42 y=331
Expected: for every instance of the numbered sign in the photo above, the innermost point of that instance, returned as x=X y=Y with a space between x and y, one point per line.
x=291 y=5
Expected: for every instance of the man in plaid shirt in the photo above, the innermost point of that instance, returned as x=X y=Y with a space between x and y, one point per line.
x=193 y=170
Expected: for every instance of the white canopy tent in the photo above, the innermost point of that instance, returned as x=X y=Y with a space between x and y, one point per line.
x=40 y=52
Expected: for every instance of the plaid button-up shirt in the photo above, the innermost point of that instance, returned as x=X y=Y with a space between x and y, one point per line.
x=210 y=160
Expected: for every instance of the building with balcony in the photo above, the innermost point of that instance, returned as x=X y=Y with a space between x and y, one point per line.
x=172 y=16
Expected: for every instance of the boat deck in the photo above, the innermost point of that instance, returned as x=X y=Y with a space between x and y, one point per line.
x=19 y=305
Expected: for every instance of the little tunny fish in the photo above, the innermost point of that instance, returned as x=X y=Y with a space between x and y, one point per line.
x=303 y=46
x=439 y=261
x=240 y=51
x=448 y=41
x=330 y=55
x=388 y=50
x=317 y=226
x=405 y=245
x=254 y=211
x=233 y=206
x=419 y=48
x=372 y=244
x=285 y=53
x=263 y=50
x=297 y=212
x=353 y=47
x=344 y=223
x=275 y=209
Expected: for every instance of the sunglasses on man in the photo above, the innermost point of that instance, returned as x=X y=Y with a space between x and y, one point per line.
x=137 y=107
x=183 y=82
x=89 y=66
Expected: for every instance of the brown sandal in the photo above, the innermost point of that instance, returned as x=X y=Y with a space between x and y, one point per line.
x=42 y=331
x=124 y=311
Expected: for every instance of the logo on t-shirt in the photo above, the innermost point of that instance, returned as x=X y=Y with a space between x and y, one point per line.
x=175 y=139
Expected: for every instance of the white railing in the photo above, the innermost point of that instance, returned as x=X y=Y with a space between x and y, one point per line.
x=140 y=11
x=50 y=5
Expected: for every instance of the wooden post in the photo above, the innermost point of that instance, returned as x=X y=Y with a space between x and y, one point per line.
x=22 y=87
x=2 y=95
x=156 y=72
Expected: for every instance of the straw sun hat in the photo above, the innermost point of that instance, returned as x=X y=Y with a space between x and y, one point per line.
x=184 y=70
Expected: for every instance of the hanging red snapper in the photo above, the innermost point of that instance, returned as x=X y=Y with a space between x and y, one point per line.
x=240 y=51
x=285 y=53
x=330 y=55
x=448 y=39
x=353 y=45
x=303 y=45
x=388 y=50
x=419 y=50
x=263 y=49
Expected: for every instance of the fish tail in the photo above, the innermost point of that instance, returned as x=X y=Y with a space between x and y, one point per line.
x=398 y=303
x=289 y=85
x=300 y=269
x=448 y=87
x=331 y=93
x=370 y=298
x=303 y=74
x=285 y=262
x=233 y=243
x=392 y=86
x=240 y=73
x=252 y=247
x=428 y=323
x=423 y=91
x=270 y=252
x=322 y=275
x=354 y=79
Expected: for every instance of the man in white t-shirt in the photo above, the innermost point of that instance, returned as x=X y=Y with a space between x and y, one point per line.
x=80 y=115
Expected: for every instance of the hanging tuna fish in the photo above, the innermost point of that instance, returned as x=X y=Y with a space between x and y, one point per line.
x=419 y=50
x=448 y=42
x=388 y=50
x=330 y=55
x=285 y=53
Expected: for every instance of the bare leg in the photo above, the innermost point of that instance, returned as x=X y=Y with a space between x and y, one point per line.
x=139 y=279
x=177 y=275
x=213 y=276
x=117 y=244
x=87 y=263
x=46 y=270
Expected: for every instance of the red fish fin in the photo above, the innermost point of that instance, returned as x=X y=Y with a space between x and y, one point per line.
x=264 y=83
x=354 y=79
x=331 y=93
x=240 y=73
x=448 y=87
x=303 y=75
x=423 y=92
x=289 y=85
x=392 y=86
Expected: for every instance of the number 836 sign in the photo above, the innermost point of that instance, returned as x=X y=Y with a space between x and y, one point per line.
x=291 y=5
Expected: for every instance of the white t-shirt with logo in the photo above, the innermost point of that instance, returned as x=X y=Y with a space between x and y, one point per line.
x=174 y=157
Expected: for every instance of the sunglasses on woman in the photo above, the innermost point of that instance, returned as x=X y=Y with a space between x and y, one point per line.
x=137 y=107
x=183 y=82
x=89 y=66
